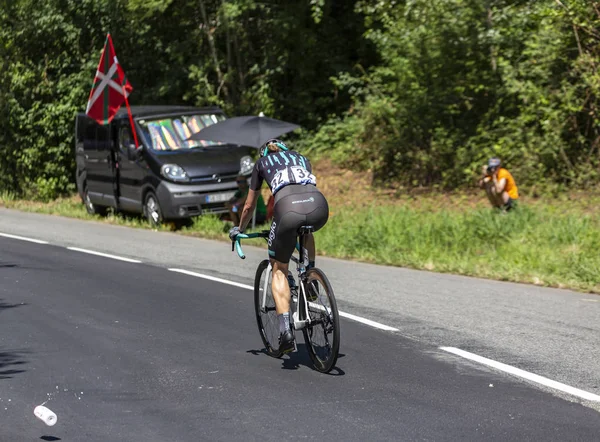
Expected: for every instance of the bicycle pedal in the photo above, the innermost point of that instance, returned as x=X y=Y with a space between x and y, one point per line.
x=293 y=349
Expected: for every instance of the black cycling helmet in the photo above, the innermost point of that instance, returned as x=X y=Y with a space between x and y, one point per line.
x=264 y=151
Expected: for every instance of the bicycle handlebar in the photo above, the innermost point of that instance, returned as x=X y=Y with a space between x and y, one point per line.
x=238 y=246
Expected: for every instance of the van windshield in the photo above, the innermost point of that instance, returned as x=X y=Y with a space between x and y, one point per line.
x=171 y=133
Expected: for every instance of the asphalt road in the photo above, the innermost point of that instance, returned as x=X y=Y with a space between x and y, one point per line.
x=551 y=332
x=127 y=351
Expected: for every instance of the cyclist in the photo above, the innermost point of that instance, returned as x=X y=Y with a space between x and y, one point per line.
x=298 y=203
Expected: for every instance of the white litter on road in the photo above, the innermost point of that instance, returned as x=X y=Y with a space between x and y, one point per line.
x=46 y=415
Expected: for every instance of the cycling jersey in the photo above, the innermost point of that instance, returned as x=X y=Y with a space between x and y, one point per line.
x=281 y=169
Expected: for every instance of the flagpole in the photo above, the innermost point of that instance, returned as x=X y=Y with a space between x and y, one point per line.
x=130 y=118
x=109 y=37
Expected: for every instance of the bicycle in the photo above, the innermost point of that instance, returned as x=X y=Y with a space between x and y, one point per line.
x=313 y=306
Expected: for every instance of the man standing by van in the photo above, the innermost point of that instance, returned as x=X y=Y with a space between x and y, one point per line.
x=236 y=203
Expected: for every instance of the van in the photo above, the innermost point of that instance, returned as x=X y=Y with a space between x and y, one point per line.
x=166 y=177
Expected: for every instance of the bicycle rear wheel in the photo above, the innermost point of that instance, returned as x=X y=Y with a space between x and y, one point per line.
x=322 y=336
x=266 y=318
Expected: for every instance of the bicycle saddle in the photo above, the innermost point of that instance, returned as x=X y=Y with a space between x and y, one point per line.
x=303 y=230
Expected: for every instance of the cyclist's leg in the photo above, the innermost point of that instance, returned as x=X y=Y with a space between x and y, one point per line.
x=282 y=241
x=317 y=218
x=281 y=295
x=280 y=286
x=281 y=247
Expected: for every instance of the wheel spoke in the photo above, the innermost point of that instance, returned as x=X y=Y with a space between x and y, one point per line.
x=322 y=335
x=266 y=316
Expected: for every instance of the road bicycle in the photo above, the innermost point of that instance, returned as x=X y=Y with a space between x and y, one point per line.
x=313 y=306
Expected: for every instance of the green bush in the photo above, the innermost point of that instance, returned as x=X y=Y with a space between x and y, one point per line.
x=463 y=80
x=420 y=92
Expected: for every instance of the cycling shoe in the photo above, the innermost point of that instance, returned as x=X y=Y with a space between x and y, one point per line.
x=286 y=341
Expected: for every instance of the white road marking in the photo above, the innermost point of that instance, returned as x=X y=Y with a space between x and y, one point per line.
x=22 y=238
x=200 y=275
x=368 y=322
x=523 y=374
x=212 y=278
x=106 y=255
x=249 y=287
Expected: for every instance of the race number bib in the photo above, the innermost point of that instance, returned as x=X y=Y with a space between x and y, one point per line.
x=292 y=175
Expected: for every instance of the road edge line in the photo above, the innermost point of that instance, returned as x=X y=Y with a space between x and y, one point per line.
x=105 y=255
x=211 y=278
x=24 y=238
x=249 y=287
x=523 y=374
x=367 y=321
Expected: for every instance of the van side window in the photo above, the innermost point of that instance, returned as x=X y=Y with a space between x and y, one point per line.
x=89 y=134
x=103 y=136
x=125 y=138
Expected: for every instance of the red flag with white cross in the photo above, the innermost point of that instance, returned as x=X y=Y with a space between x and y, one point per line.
x=110 y=88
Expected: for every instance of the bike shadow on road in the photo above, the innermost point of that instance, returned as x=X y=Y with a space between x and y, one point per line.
x=6 y=305
x=11 y=362
x=293 y=361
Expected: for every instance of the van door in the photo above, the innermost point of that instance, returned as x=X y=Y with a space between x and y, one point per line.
x=95 y=155
x=131 y=172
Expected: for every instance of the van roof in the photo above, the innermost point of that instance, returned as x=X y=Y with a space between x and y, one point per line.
x=147 y=111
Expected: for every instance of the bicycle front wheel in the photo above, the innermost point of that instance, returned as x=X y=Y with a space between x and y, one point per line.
x=266 y=314
x=322 y=336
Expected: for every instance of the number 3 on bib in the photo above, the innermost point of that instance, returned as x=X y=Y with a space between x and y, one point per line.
x=292 y=175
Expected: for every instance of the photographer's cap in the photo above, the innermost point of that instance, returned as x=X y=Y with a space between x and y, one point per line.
x=494 y=162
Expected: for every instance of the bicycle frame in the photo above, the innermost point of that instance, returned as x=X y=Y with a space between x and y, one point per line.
x=307 y=305
x=300 y=317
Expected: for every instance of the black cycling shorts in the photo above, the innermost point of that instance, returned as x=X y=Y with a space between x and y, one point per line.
x=296 y=205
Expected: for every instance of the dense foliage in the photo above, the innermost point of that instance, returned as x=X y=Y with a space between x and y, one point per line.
x=418 y=91
x=462 y=80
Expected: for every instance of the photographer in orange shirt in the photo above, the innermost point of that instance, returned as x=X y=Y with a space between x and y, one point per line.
x=499 y=185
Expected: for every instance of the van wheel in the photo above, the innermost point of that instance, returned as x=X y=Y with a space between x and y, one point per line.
x=152 y=210
x=92 y=209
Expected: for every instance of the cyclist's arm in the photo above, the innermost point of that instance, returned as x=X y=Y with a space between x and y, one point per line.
x=248 y=208
x=255 y=184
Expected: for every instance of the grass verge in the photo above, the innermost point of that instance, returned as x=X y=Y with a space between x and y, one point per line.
x=533 y=244
x=536 y=244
